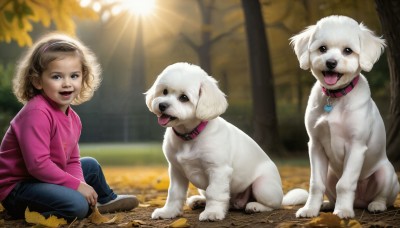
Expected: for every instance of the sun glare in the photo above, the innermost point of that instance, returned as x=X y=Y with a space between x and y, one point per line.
x=139 y=7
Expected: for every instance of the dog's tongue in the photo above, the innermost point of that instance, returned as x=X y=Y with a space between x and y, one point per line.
x=163 y=120
x=331 y=78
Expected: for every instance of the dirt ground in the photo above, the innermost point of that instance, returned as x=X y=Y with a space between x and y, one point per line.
x=149 y=184
x=277 y=218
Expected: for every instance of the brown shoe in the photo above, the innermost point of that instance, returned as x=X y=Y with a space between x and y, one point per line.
x=121 y=203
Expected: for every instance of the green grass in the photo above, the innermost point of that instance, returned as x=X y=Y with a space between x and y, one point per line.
x=120 y=154
x=150 y=154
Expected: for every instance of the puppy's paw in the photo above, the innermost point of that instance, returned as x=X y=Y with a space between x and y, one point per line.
x=165 y=213
x=254 y=207
x=212 y=215
x=376 y=206
x=307 y=212
x=196 y=202
x=344 y=213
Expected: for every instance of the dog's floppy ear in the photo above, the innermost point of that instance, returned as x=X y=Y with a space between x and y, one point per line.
x=150 y=96
x=212 y=101
x=371 y=48
x=300 y=44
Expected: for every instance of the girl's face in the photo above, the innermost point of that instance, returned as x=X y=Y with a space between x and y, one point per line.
x=62 y=81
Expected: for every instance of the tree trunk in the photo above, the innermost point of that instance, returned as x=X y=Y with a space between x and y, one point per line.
x=264 y=116
x=389 y=15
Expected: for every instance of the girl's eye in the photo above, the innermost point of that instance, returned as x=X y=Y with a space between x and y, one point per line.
x=56 y=77
x=165 y=92
x=323 y=49
x=183 y=98
x=347 y=51
x=75 y=76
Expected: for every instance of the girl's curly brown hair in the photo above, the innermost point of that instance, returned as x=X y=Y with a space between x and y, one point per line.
x=47 y=49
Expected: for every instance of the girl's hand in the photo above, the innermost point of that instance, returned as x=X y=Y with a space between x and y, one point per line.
x=88 y=192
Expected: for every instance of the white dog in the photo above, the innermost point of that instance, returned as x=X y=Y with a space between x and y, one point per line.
x=347 y=146
x=226 y=165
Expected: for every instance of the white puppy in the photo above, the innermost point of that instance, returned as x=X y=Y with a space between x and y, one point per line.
x=226 y=165
x=347 y=146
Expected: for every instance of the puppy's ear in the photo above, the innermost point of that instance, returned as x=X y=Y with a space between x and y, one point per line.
x=371 y=48
x=212 y=101
x=150 y=96
x=300 y=44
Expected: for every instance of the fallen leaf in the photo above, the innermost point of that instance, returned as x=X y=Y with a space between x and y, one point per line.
x=98 y=218
x=182 y=222
x=325 y=219
x=134 y=223
x=38 y=219
x=354 y=224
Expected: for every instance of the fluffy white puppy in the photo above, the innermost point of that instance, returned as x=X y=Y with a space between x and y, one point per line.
x=226 y=165
x=347 y=147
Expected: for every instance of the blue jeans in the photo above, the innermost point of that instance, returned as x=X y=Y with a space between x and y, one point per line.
x=50 y=199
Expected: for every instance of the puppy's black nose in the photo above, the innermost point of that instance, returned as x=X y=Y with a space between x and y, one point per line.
x=163 y=106
x=331 y=63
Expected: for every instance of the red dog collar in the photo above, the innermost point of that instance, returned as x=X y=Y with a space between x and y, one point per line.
x=193 y=134
x=341 y=92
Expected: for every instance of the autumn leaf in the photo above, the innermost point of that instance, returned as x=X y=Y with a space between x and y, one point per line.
x=98 y=218
x=134 y=223
x=325 y=219
x=1 y=208
x=17 y=17
x=182 y=222
x=38 y=219
x=354 y=224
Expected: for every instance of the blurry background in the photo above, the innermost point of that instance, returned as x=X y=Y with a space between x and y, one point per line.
x=136 y=39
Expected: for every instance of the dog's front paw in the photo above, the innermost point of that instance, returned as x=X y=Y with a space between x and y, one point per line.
x=307 y=212
x=376 y=206
x=212 y=215
x=196 y=202
x=165 y=213
x=344 y=213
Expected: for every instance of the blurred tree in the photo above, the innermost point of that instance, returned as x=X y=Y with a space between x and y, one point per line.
x=203 y=49
x=9 y=105
x=17 y=17
x=265 y=120
x=389 y=14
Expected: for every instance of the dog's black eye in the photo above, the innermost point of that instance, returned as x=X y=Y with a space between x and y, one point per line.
x=165 y=91
x=183 y=98
x=347 y=51
x=323 y=49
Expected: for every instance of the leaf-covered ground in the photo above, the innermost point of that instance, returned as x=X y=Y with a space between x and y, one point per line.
x=149 y=184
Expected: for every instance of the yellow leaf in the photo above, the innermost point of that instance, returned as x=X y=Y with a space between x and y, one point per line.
x=325 y=219
x=134 y=223
x=36 y=218
x=98 y=218
x=182 y=222
x=1 y=208
x=354 y=224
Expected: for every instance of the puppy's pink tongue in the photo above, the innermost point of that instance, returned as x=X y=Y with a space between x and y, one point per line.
x=331 y=78
x=163 y=120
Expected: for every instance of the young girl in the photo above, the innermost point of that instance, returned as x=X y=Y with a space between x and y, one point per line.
x=40 y=167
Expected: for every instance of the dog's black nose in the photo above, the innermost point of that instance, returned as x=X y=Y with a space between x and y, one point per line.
x=331 y=63
x=163 y=106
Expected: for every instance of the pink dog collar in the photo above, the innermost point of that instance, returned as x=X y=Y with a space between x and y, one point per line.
x=341 y=92
x=193 y=134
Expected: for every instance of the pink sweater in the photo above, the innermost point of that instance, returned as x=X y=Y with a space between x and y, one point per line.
x=41 y=143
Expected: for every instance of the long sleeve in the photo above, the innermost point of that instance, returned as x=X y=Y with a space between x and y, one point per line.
x=35 y=132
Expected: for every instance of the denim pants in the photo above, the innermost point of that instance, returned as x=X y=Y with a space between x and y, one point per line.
x=50 y=199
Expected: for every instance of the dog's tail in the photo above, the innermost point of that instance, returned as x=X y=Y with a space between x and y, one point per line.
x=295 y=197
